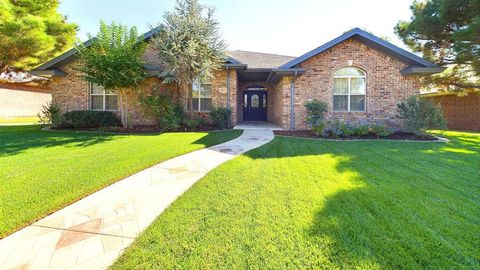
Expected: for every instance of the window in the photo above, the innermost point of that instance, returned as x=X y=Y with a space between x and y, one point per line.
x=349 y=88
x=255 y=101
x=101 y=99
x=201 y=96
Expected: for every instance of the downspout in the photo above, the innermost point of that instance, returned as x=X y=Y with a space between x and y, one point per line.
x=292 y=102
x=228 y=88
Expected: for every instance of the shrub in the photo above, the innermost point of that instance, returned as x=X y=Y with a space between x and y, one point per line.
x=315 y=113
x=193 y=123
x=319 y=129
x=221 y=117
x=420 y=114
x=90 y=119
x=361 y=129
x=190 y=123
x=334 y=129
x=160 y=106
x=346 y=128
x=381 y=130
x=50 y=114
x=170 y=121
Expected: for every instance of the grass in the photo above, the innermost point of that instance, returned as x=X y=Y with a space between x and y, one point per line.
x=18 y=120
x=43 y=171
x=307 y=204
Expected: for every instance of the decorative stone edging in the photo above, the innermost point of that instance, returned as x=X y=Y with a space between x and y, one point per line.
x=439 y=139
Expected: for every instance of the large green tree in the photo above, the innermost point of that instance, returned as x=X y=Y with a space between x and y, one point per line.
x=31 y=32
x=115 y=61
x=448 y=33
x=189 y=45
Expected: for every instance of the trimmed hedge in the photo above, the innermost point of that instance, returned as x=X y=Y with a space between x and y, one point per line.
x=90 y=119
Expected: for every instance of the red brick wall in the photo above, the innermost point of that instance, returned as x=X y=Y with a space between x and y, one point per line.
x=280 y=103
x=461 y=112
x=219 y=94
x=72 y=93
x=386 y=86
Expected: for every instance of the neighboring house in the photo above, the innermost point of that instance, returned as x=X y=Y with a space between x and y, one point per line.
x=362 y=77
x=18 y=100
x=461 y=112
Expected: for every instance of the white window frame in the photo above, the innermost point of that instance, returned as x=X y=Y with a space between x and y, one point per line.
x=348 y=77
x=103 y=95
x=200 y=97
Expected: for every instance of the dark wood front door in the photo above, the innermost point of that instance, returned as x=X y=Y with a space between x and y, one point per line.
x=255 y=106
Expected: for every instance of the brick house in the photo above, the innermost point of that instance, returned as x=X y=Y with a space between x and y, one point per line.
x=359 y=75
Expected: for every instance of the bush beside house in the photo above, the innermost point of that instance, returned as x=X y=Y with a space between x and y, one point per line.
x=90 y=119
x=418 y=115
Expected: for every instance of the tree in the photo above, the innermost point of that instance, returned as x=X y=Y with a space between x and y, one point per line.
x=189 y=45
x=114 y=61
x=447 y=33
x=31 y=32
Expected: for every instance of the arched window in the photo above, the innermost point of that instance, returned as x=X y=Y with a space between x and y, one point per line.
x=349 y=88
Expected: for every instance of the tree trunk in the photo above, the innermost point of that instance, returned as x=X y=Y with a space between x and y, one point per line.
x=186 y=90
x=123 y=108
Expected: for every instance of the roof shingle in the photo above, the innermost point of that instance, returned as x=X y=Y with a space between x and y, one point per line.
x=260 y=60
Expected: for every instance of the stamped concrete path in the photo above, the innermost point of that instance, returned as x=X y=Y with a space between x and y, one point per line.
x=93 y=232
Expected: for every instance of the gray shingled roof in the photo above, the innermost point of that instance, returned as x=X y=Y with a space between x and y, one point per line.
x=260 y=60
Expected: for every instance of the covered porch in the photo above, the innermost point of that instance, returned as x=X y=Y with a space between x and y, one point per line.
x=265 y=97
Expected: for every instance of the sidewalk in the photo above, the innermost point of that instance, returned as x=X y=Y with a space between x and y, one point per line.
x=93 y=232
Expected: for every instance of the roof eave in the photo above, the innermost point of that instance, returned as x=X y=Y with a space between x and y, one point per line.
x=288 y=71
x=234 y=66
x=70 y=53
x=48 y=73
x=421 y=71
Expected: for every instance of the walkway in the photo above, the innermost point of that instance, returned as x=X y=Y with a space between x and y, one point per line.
x=93 y=232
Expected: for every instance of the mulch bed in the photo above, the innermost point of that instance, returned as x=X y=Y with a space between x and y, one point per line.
x=139 y=129
x=395 y=136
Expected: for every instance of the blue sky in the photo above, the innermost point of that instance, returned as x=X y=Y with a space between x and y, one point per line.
x=290 y=27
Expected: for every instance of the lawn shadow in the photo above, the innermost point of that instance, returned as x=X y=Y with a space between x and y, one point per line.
x=17 y=139
x=216 y=137
x=410 y=205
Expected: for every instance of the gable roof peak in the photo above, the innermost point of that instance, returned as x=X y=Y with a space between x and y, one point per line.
x=371 y=41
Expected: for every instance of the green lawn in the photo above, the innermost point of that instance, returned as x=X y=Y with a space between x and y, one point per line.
x=18 y=120
x=42 y=171
x=306 y=204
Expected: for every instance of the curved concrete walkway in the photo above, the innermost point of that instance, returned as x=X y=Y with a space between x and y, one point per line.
x=93 y=232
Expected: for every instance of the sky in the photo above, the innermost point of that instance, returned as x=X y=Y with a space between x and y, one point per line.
x=288 y=27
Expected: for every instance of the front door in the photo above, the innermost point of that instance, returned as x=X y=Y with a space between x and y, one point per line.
x=255 y=106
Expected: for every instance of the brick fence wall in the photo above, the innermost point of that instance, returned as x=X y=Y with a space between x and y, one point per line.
x=461 y=112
